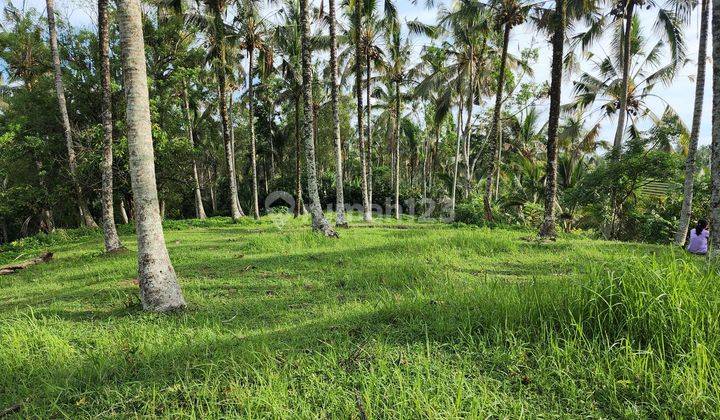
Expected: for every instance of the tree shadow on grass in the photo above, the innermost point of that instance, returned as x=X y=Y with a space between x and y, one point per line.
x=341 y=343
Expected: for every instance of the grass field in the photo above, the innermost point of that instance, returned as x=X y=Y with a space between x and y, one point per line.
x=398 y=320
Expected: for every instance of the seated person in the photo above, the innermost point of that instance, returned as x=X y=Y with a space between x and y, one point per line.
x=699 y=238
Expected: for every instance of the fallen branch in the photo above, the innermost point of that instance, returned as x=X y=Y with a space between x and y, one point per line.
x=12 y=268
x=10 y=410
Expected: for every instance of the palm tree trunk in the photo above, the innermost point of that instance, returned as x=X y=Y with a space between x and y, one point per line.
x=627 y=39
x=159 y=289
x=368 y=86
x=231 y=126
x=495 y=130
x=123 y=212
x=457 y=153
x=426 y=161
x=397 y=150
x=319 y=222
x=47 y=223
x=211 y=188
x=367 y=214
x=110 y=235
x=468 y=122
x=229 y=152
x=199 y=208
x=715 y=145
x=685 y=212
x=340 y=220
x=299 y=207
x=60 y=92
x=251 y=116
x=547 y=230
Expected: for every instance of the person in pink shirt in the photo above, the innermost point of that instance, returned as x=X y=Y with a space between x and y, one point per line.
x=699 y=238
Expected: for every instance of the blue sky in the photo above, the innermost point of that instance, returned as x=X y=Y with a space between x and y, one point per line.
x=679 y=95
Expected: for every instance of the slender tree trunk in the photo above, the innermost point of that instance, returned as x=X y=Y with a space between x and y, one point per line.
x=231 y=125
x=457 y=152
x=229 y=152
x=299 y=206
x=368 y=86
x=4 y=237
x=547 y=230
x=340 y=220
x=60 y=92
x=159 y=289
x=47 y=224
x=112 y=240
x=199 y=208
x=397 y=150
x=319 y=222
x=211 y=187
x=426 y=160
x=715 y=145
x=468 y=122
x=367 y=213
x=251 y=116
x=685 y=212
x=622 y=111
x=495 y=130
x=123 y=212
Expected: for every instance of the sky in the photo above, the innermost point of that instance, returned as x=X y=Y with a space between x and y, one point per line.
x=680 y=94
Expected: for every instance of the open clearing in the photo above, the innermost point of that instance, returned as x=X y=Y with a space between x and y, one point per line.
x=403 y=320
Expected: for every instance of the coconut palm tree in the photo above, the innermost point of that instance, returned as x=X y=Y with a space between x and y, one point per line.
x=622 y=21
x=65 y=118
x=684 y=223
x=433 y=62
x=159 y=289
x=340 y=220
x=397 y=73
x=509 y=13
x=319 y=222
x=112 y=240
x=599 y=91
x=715 y=159
x=547 y=230
x=356 y=8
x=199 y=208
x=288 y=42
x=217 y=35
x=467 y=25
x=252 y=31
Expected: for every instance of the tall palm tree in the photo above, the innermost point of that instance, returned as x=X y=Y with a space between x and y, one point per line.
x=252 y=31
x=468 y=26
x=600 y=91
x=288 y=41
x=112 y=240
x=684 y=223
x=715 y=146
x=65 y=118
x=547 y=230
x=340 y=220
x=216 y=38
x=510 y=13
x=622 y=20
x=357 y=6
x=199 y=208
x=159 y=289
x=319 y=222
x=433 y=64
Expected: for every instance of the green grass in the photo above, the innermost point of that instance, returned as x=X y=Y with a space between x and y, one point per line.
x=402 y=320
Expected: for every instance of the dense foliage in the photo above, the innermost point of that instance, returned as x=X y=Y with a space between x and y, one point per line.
x=443 y=143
